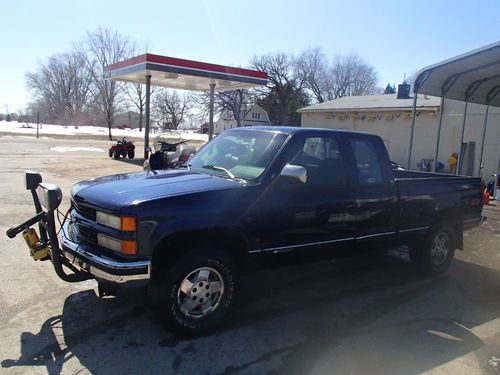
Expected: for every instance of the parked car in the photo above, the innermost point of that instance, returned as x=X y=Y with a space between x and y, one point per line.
x=249 y=194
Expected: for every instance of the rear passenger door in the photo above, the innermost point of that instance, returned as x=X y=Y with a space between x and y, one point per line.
x=376 y=191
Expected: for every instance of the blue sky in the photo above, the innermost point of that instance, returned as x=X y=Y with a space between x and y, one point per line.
x=396 y=37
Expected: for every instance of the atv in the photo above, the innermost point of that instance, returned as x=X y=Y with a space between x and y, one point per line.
x=122 y=148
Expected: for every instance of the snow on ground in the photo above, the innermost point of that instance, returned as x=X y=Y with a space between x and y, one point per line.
x=30 y=129
x=73 y=149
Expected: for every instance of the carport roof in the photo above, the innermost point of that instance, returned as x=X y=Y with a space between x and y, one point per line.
x=183 y=74
x=472 y=77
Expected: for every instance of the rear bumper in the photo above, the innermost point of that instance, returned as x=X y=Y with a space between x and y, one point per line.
x=102 y=268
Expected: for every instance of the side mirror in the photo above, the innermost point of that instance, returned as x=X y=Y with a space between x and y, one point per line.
x=32 y=179
x=295 y=171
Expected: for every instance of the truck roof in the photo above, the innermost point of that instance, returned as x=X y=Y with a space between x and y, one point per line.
x=295 y=130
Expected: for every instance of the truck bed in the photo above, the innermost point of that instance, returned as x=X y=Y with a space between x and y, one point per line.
x=424 y=195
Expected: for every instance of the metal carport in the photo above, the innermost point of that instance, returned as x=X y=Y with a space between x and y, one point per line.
x=183 y=74
x=473 y=77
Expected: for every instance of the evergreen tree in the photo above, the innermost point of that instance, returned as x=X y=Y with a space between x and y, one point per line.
x=390 y=89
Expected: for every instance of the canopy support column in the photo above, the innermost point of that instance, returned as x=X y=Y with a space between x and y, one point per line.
x=482 y=141
x=146 y=132
x=441 y=110
x=211 y=113
x=412 y=130
x=459 y=163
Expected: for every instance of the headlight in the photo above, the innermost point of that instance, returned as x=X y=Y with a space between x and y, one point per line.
x=125 y=223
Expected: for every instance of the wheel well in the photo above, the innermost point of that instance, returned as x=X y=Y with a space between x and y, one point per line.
x=172 y=247
x=453 y=220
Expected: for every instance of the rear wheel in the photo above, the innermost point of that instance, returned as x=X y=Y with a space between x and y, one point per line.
x=110 y=152
x=434 y=257
x=116 y=154
x=131 y=154
x=197 y=291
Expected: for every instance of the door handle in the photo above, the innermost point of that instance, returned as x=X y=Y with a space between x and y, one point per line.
x=350 y=203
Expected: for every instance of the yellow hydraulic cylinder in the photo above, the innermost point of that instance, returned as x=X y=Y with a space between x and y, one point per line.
x=37 y=252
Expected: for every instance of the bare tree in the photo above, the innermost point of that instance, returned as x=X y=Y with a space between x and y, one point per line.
x=171 y=108
x=136 y=93
x=102 y=48
x=343 y=76
x=234 y=103
x=350 y=75
x=285 y=83
x=62 y=86
x=231 y=103
x=313 y=66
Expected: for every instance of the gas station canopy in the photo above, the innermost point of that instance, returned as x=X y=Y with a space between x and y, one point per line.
x=183 y=74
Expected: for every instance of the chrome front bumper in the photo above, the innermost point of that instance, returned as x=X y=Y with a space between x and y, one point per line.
x=102 y=268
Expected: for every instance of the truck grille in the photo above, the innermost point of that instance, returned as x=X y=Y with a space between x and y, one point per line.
x=84 y=209
x=87 y=235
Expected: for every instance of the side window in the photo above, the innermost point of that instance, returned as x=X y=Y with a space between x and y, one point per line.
x=367 y=163
x=321 y=158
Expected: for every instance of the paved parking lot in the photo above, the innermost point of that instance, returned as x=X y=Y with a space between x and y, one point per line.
x=370 y=314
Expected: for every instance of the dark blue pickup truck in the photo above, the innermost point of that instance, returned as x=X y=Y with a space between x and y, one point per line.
x=250 y=193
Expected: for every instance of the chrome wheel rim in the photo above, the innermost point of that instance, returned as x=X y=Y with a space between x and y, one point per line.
x=200 y=292
x=440 y=248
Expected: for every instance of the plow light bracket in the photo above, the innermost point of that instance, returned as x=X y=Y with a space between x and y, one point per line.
x=32 y=179
x=50 y=196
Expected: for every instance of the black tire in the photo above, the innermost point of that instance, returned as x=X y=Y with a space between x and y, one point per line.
x=183 y=312
x=435 y=255
x=116 y=154
x=110 y=153
x=131 y=154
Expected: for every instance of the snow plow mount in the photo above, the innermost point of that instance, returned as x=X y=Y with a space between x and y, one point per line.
x=46 y=198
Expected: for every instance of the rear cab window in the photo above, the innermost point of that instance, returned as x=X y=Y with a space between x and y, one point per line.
x=368 y=166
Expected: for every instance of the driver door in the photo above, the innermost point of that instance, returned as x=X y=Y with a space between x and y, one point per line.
x=293 y=215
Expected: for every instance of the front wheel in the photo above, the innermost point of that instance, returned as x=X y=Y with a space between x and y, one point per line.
x=110 y=152
x=116 y=154
x=197 y=291
x=434 y=257
x=131 y=154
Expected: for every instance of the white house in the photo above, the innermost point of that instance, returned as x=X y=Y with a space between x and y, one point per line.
x=391 y=119
x=254 y=116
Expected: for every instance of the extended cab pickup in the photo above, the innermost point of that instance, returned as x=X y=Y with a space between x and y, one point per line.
x=248 y=193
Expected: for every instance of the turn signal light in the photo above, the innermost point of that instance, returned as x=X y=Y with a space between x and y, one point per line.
x=129 y=247
x=128 y=223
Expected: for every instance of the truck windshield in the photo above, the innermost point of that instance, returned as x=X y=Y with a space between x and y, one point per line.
x=244 y=154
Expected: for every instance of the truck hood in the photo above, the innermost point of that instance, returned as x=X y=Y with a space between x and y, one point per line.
x=120 y=190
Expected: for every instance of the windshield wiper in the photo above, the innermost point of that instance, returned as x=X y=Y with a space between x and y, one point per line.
x=217 y=168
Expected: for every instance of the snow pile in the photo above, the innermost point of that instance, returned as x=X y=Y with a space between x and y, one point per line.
x=30 y=129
